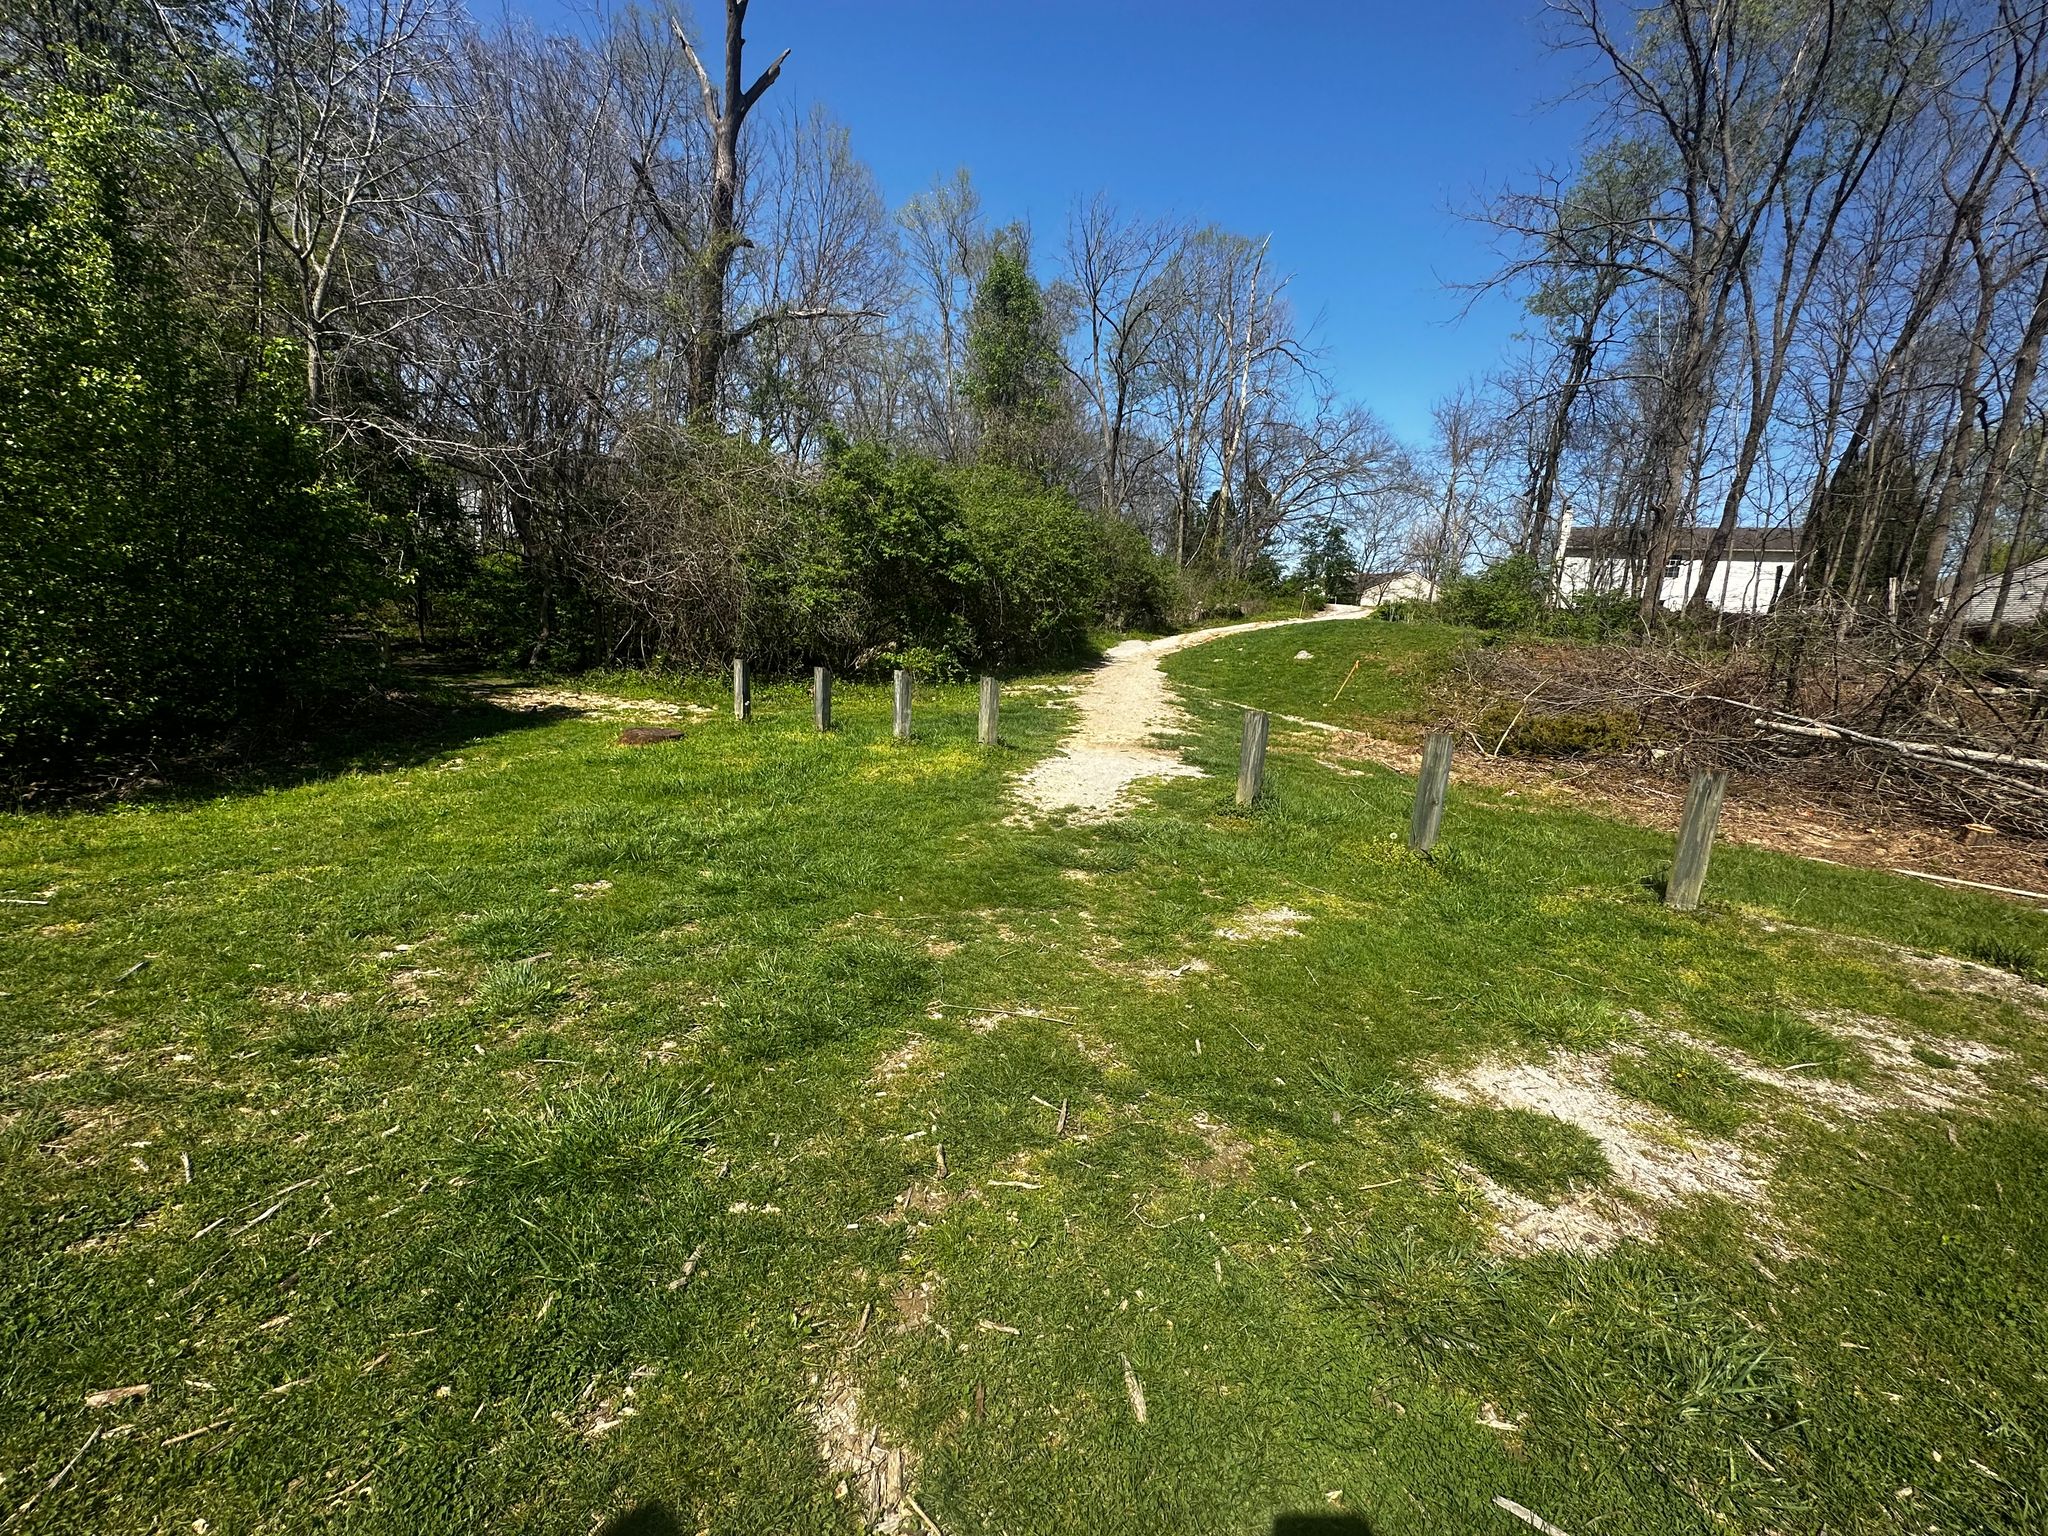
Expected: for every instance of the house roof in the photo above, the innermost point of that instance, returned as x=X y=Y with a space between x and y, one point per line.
x=1744 y=543
x=1381 y=578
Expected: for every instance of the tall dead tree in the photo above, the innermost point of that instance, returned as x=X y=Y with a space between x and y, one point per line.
x=714 y=334
x=725 y=114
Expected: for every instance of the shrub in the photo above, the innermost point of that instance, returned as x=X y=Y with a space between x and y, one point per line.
x=1139 y=589
x=898 y=561
x=895 y=550
x=177 y=555
x=1507 y=595
x=1593 y=616
x=1036 y=583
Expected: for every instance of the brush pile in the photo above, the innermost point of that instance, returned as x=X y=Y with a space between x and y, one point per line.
x=1874 y=710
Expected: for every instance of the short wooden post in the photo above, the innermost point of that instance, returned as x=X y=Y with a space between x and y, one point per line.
x=991 y=705
x=902 y=705
x=821 y=696
x=1695 y=840
x=1251 y=755
x=742 y=694
x=1430 y=789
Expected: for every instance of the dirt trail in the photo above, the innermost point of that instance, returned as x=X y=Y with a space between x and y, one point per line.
x=1122 y=708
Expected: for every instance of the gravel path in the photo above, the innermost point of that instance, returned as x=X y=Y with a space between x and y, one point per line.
x=1120 y=711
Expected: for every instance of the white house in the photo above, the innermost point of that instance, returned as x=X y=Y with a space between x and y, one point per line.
x=2024 y=603
x=1751 y=573
x=1376 y=587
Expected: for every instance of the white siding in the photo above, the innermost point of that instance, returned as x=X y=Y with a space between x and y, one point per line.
x=2023 y=605
x=1408 y=587
x=1743 y=583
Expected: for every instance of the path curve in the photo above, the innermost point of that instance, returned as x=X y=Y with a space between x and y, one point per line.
x=1119 y=712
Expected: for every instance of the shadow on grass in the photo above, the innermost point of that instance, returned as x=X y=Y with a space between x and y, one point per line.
x=1321 y=1525
x=652 y=1518
x=394 y=731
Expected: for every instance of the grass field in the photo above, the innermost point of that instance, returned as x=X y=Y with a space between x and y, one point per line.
x=524 y=1133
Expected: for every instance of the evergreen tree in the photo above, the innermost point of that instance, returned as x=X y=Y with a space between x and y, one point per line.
x=1329 y=567
x=1013 y=379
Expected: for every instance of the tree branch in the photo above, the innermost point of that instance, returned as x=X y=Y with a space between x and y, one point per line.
x=704 y=87
x=754 y=92
x=783 y=312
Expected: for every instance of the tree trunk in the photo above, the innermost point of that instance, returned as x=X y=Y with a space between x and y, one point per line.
x=1958 y=465
x=725 y=113
x=1684 y=413
x=2028 y=505
x=2025 y=365
x=1544 y=491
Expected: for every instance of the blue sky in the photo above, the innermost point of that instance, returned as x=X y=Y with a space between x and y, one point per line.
x=1351 y=132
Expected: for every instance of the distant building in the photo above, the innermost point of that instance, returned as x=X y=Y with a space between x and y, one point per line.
x=1751 y=573
x=1376 y=587
x=2024 y=603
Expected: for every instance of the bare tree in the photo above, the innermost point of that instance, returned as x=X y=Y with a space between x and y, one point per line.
x=1728 y=91
x=1114 y=264
x=948 y=246
x=326 y=147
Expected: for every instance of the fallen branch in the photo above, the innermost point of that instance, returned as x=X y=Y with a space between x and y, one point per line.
x=1975 y=885
x=930 y=1525
x=689 y=1268
x=62 y=1473
x=1799 y=725
x=194 y=1434
x=1526 y=1516
x=1134 y=1388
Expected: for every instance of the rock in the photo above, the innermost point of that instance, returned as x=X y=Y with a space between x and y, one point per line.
x=647 y=735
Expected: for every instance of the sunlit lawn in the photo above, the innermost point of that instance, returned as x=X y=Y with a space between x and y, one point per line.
x=526 y=1135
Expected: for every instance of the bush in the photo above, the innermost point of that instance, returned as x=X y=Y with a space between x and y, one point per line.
x=1139 y=589
x=177 y=556
x=891 y=565
x=1507 y=595
x=1037 y=577
x=1593 y=616
x=894 y=560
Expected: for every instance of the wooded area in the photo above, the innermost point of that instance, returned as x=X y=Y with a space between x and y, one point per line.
x=1800 y=279
x=336 y=324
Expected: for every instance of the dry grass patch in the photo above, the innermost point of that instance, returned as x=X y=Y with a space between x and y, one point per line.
x=1257 y=924
x=865 y=1468
x=1652 y=1159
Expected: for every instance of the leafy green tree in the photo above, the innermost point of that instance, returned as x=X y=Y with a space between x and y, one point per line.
x=177 y=556
x=1329 y=567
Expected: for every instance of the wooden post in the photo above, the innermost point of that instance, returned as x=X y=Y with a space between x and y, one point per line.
x=821 y=696
x=1429 y=791
x=991 y=705
x=902 y=705
x=1695 y=840
x=1251 y=756
x=742 y=695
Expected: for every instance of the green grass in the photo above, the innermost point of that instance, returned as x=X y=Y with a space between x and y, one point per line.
x=1396 y=664
x=1689 y=1084
x=1538 y=1154
x=472 y=1055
